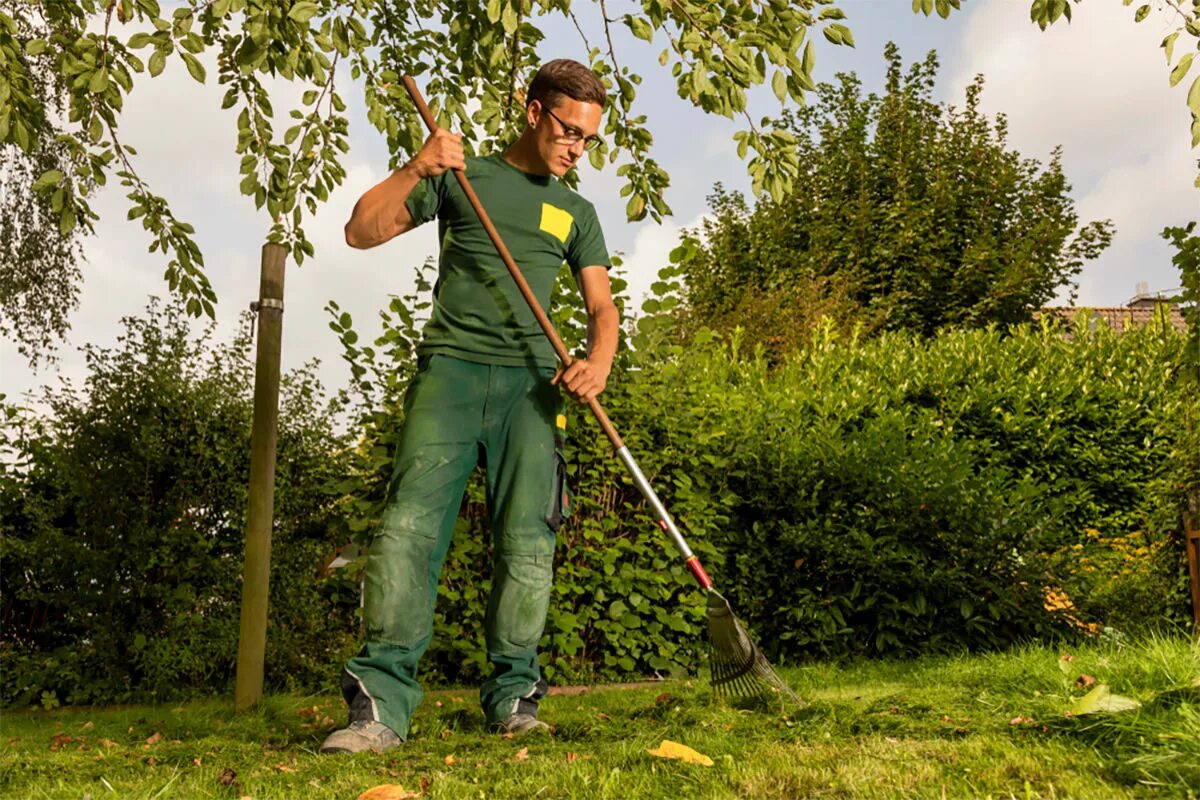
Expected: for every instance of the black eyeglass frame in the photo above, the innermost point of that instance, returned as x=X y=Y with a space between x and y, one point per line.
x=571 y=134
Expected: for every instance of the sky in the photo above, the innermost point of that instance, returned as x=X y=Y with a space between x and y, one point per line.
x=1098 y=87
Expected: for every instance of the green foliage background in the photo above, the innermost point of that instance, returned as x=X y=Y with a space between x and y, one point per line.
x=893 y=496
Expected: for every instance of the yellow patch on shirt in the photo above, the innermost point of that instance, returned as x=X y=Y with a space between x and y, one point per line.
x=556 y=222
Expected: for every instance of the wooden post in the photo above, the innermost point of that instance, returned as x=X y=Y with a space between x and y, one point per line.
x=252 y=641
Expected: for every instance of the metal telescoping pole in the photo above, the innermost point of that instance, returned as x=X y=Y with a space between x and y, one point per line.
x=252 y=641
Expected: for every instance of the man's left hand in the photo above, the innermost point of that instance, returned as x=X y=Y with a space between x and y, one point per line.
x=584 y=380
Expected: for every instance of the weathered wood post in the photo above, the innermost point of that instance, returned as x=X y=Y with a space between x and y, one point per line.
x=252 y=640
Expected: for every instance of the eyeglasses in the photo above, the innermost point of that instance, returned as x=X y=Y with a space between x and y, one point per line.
x=572 y=135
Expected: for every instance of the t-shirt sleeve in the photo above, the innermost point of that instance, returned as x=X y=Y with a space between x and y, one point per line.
x=586 y=246
x=426 y=198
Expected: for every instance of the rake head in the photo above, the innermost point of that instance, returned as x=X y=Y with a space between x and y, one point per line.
x=738 y=666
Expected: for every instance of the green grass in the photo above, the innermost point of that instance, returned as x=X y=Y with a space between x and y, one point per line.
x=969 y=726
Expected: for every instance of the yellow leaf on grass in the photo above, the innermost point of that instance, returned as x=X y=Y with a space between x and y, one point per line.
x=388 y=791
x=682 y=752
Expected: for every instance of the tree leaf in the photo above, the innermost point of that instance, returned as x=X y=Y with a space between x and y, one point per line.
x=1141 y=13
x=303 y=11
x=1101 y=700
x=194 y=67
x=1181 y=69
x=158 y=60
x=680 y=752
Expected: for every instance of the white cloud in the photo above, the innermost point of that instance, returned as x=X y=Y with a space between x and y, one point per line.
x=1099 y=88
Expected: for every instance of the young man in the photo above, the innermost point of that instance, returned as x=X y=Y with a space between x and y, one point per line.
x=486 y=392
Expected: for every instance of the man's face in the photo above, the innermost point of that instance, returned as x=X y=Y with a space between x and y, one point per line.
x=562 y=133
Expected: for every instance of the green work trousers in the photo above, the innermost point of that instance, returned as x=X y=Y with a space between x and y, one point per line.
x=459 y=414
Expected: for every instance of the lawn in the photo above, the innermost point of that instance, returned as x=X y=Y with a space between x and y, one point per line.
x=965 y=726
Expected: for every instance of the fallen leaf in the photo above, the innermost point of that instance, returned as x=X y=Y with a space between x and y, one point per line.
x=602 y=715
x=446 y=734
x=449 y=759
x=87 y=726
x=154 y=739
x=59 y=740
x=456 y=699
x=680 y=752
x=228 y=777
x=315 y=783
x=946 y=718
x=309 y=711
x=1021 y=720
x=662 y=698
x=1084 y=681
x=520 y=755
x=573 y=757
x=197 y=762
x=506 y=736
x=425 y=783
x=152 y=761
x=1066 y=657
x=387 y=791
x=478 y=765
x=891 y=740
x=438 y=703
x=284 y=768
x=1100 y=700
x=109 y=743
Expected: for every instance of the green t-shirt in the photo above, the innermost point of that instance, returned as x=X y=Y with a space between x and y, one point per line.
x=478 y=313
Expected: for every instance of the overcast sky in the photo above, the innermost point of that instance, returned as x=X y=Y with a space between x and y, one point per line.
x=1098 y=87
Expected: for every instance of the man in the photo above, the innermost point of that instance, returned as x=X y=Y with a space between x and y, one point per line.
x=486 y=392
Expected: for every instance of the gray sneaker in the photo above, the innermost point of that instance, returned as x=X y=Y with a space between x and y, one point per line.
x=519 y=724
x=360 y=737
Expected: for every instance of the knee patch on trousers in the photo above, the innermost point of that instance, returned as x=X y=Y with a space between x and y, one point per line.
x=397 y=595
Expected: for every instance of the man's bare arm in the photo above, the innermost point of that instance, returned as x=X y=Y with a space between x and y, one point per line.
x=381 y=213
x=587 y=377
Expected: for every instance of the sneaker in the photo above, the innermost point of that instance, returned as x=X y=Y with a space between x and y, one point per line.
x=361 y=736
x=518 y=724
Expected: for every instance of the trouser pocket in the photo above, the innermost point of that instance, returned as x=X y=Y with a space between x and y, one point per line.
x=562 y=500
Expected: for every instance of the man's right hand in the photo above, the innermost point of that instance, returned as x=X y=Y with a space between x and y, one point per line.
x=442 y=151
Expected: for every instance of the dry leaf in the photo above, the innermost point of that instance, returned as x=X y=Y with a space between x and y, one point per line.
x=152 y=761
x=59 y=740
x=449 y=759
x=1021 y=720
x=284 y=768
x=87 y=726
x=196 y=762
x=228 y=777
x=456 y=699
x=662 y=698
x=602 y=715
x=1065 y=657
x=309 y=711
x=446 y=734
x=891 y=740
x=573 y=757
x=109 y=743
x=520 y=755
x=154 y=739
x=437 y=703
x=387 y=791
x=681 y=752
x=1084 y=681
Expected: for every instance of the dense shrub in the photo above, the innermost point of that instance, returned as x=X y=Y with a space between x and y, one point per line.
x=123 y=521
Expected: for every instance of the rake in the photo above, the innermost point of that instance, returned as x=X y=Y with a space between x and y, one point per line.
x=738 y=666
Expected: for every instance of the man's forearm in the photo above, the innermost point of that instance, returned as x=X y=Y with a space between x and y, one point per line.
x=603 y=328
x=381 y=213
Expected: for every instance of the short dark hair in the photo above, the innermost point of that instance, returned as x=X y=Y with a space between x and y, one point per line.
x=563 y=77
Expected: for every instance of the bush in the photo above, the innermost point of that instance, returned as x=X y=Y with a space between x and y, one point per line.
x=123 y=526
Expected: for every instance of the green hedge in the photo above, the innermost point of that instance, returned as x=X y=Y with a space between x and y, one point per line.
x=893 y=496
